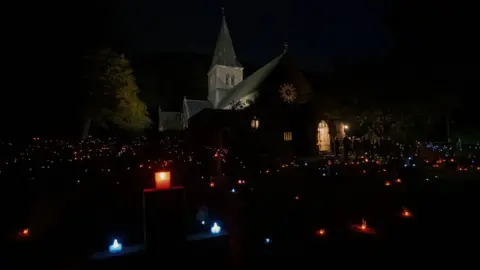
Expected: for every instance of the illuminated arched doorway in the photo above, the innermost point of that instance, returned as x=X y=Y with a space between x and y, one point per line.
x=323 y=137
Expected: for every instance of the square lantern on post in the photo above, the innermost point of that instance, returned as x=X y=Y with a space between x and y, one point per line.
x=163 y=180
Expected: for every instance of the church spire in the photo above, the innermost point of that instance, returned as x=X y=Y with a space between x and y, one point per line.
x=224 y=53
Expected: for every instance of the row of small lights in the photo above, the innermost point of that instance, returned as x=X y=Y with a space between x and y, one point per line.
x=116 y=246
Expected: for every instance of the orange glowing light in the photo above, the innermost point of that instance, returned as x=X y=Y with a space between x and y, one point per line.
x=212 y=184
x=363 y=228
x=398 y=180
x=387 y=183
x=24 y=233
x=364 y=225
x=321 y=232
x=406 y=213
x=162 y=180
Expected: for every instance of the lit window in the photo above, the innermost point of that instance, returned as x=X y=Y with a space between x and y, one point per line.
x=287 y=136
x=227 y=79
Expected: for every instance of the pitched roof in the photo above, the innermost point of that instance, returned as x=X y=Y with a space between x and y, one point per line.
x=250 y=84
x=193 y=107
x=224 y=53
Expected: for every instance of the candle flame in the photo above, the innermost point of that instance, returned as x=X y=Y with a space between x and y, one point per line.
x=364 y=224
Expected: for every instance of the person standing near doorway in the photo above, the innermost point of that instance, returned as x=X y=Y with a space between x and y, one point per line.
x=336 y=146
x=347 y=146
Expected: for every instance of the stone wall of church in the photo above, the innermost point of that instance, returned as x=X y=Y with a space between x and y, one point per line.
x=169 y=121
x=340 y=130
x=222 y=77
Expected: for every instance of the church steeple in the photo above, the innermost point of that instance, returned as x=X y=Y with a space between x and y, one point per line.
x=225 y=72
x=224 y=52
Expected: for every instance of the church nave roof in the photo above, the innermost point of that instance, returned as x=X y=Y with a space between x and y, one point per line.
x=250 y=84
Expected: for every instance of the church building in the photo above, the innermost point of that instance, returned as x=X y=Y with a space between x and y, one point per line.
x=283 y=112
x=226 y=86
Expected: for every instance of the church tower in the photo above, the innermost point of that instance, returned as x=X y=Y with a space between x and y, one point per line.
x=225 y=71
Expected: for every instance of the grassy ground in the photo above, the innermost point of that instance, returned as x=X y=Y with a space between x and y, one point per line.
x=288 y=207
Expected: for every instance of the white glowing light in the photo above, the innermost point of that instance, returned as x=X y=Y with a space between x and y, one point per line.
x=215 y=228
x=115 y=247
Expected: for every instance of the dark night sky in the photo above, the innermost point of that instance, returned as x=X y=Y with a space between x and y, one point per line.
x=314 y=30
x=431 y=40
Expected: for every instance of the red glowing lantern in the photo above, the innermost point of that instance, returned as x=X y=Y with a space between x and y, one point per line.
x=162 y=180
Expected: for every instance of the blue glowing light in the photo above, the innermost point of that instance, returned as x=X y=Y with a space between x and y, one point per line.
x=115 y=247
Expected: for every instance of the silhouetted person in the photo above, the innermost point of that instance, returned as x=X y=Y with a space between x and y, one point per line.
x=336 y=146
x=357 y=147
x=366 y=146
x=347 y=146
x=459 y=144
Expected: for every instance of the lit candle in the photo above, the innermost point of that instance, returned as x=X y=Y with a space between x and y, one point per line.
x=24 y=233
x=406 y=213
x=115 y=247
x=162 y=180
x=364 y=225
x=215 y=228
